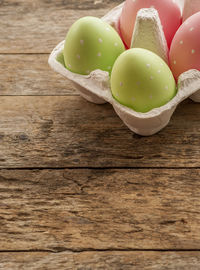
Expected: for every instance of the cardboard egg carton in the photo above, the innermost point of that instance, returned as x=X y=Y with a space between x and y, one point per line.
x=95 y=87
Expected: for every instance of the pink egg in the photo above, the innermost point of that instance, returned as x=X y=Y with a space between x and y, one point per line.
x=169 y=12
x=185 y=48
x=190 y=7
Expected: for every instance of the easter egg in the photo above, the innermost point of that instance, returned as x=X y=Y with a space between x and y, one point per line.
x=169 y=13
x=91 y=44
x=190 y=7
x=141 y=80
x=185 y=49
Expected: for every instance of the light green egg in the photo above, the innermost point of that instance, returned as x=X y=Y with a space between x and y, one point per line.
x=91 y=44
x=142 y=81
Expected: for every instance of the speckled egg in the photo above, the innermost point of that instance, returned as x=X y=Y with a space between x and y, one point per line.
x=169 y=13
x=142 y=81
x=91 y=44
x=185 y=48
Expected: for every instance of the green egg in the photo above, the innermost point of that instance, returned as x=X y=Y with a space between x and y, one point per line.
x=142 y=81
x=91 y=44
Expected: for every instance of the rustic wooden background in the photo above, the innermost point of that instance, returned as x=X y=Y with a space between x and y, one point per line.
x=78 y=190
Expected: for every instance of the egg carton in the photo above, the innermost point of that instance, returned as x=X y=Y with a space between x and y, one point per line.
x=95 y=87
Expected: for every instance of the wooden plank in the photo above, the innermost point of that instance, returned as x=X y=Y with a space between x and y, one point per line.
x=82 y=210
x=71 y=132
x=37 y=26
x=60 y=4
x=101 y=260
x=30 y=75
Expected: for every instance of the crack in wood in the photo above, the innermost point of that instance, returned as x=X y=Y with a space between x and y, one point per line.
x=61 y=250
x=97 y=168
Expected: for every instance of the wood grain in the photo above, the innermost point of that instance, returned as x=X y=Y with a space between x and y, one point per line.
x=30 y=75
x=60 y=4
x=81 y=210
x=71 y=132
x=37 y=26
x=101 y=261
x=137 y=207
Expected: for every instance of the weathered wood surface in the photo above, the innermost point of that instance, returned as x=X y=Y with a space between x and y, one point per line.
x=71 y=132
x=101 y=261
x=84 y=209
x=99 y=218
x=30 y=75
x=37 y=26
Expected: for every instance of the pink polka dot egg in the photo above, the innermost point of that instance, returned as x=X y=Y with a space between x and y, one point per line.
x=185 y=48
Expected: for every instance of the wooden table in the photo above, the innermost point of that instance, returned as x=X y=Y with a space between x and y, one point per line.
x=78 y=190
